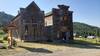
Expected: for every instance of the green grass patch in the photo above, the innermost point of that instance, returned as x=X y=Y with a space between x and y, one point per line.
x=95 y=41
x=2 y=34
x=2 y=37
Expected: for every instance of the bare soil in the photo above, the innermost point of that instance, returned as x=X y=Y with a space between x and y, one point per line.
x=41 y=49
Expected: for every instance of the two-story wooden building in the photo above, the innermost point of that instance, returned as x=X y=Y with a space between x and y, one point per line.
x=31 y=24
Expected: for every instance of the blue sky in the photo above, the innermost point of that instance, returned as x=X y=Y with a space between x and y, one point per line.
x=85 y=11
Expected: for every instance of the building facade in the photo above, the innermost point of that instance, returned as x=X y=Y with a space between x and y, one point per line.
x=31 y=24
x=59 y=23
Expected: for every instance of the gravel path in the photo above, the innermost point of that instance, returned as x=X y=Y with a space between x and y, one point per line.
x=69 y=51
x=77 y=52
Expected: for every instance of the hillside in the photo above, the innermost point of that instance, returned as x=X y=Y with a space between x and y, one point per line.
x=5 y=18
x=85 y=29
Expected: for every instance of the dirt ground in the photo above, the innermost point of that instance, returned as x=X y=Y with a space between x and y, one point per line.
x=38 y=49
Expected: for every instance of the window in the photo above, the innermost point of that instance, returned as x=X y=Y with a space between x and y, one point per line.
x=26 y=28
x=32 y=20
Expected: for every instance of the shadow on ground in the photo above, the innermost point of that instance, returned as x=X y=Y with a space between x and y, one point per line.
x=75 y=43
x=40 y=50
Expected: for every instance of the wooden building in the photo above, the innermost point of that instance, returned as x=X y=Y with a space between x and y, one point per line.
x=31 y=24
x=59 y=23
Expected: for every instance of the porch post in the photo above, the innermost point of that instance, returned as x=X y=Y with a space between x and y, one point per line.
x=10 y=40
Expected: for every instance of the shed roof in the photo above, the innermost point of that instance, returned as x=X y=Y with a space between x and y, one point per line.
x=49 y=13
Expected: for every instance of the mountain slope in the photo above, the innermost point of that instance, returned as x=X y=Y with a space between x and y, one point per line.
x=5 y=18
x=85 y=29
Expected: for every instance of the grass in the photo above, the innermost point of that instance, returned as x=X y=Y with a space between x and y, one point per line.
x=2 y=35
x=95 y=41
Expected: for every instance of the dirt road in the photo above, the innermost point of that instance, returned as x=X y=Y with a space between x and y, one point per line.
x=63 y=51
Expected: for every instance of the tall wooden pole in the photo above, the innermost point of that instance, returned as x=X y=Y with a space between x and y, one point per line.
x=10 y=40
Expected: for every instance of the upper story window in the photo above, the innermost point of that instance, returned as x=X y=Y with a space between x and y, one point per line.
x=26 y=28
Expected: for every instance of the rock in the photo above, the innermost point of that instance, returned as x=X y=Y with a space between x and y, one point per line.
x=1 y=45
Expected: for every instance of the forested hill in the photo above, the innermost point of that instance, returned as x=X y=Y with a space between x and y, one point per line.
x=85 y=29
x=5 y=18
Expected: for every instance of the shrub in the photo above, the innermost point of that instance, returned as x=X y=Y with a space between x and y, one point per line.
x=1 y=41
x=5 y=38
x=14 y=43
x=1 y=33
x=5 y=29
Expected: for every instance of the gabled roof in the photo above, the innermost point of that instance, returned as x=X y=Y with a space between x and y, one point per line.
x=32 y=5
